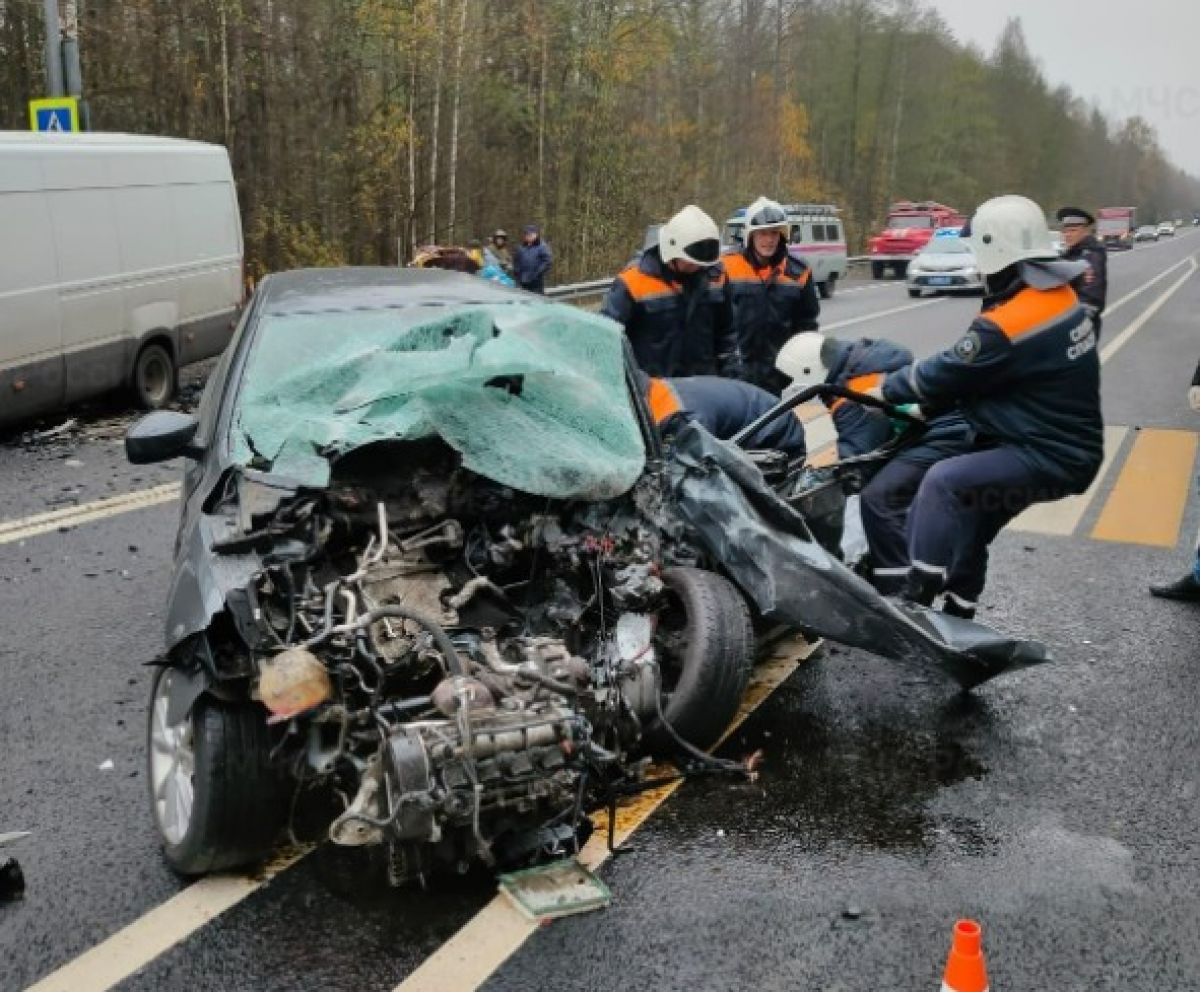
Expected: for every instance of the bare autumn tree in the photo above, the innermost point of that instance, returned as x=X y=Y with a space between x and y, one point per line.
x=360 y=128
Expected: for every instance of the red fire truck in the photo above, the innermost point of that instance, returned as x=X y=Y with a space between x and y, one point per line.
x=909 y=227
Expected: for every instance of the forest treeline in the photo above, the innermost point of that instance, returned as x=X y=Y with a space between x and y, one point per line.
x=360 y=129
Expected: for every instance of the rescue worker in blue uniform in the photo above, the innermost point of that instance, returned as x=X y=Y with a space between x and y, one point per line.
x=771 y=294
x=1026 y=380
x=1079 y=236
x=862 y=366
x=723 y=407
x=671 y=301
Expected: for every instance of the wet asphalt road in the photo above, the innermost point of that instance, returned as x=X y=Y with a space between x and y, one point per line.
x=1057 y=805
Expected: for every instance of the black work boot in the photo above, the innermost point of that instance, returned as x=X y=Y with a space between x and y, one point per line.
x=1186 y=590
x=921 y=587
x=956 y=606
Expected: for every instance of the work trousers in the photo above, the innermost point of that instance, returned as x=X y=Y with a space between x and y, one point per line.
x=940 y=519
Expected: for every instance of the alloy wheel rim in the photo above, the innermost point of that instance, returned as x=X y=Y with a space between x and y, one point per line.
x=172 y=766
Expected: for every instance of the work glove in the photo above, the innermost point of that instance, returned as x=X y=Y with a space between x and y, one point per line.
x=1194 y=398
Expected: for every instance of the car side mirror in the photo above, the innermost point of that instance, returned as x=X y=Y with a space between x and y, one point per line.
x=160 y=436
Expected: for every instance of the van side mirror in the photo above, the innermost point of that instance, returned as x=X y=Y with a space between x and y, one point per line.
x=160 y=436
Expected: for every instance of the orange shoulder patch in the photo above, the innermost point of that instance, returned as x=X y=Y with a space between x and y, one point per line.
x=642 y=285
x=662 y=400
x=1030 y=310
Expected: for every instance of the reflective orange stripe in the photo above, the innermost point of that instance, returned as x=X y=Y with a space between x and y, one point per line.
x=1031 y=309
x=662 y=399
x=641 y=285
x=860 y=384
x=738 y=269
x=863 y=383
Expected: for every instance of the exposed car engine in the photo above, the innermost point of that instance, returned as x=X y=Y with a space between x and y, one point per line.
x=464 y=664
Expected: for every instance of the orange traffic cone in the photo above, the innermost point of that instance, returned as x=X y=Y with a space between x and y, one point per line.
x=965 y=971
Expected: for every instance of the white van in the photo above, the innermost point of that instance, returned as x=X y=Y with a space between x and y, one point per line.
x=817 y=239
x=120 y=261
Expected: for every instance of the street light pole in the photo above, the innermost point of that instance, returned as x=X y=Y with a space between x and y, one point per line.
x=54 y=65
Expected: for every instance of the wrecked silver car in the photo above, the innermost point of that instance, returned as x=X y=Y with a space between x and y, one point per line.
x=435 y=563
x=426 y=562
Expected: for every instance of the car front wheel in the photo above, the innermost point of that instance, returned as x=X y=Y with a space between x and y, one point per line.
x=705 y=645
x=217 y=802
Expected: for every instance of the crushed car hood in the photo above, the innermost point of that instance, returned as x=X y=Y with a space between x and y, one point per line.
x=532 y=397
x=767 y=549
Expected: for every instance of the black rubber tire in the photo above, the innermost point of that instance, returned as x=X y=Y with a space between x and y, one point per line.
x=828 y=287
x=877 y=270
x=900 y=269
x=239 y=800
x=914 y=293
x=155 y=378
x=704 y=680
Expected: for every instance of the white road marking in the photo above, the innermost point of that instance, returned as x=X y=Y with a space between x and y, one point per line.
x=1062 y=516
x=1115 y=345
x=129 y=950
x=881 y=313
x=72 y=516
x=1112 y=307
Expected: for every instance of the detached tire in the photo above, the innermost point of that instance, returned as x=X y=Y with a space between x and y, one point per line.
x=705 y=643
x=828 y=287
x=216 y=801
x=155 y=377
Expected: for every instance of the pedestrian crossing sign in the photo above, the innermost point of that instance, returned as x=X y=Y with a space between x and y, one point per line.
x=60 y=113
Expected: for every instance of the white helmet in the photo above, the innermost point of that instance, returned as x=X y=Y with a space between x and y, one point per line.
x=767 y=215
x=1009 y=229
x=690 y=235
x=802 y=359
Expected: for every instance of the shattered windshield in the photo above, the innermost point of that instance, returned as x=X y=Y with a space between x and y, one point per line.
x=531 y=396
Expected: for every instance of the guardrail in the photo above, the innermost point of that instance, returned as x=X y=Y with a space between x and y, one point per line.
x=598 y=287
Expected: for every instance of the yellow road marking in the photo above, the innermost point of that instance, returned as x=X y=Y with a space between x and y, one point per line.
x=132 y=948
x=493 y=935
x=72 y=516
x=1062 y=516
x=1146 y=505
x=823 y=456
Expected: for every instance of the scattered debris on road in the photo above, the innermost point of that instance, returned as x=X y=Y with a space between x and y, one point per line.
x=12 y=881
x=562 y=888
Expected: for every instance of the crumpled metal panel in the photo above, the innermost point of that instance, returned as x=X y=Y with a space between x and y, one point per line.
x=203 y=579
x=768 y=551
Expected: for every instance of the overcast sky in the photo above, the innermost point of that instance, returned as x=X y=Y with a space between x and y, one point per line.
x=1129 y=56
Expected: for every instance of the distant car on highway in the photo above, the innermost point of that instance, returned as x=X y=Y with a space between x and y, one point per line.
x=1166 y=229
x=944 y=265
x=1147 y=232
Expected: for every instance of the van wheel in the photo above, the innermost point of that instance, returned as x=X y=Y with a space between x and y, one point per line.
x=828 y=287
x=705 y=645
x=877 y=270
x=154 y=377
x=914 y=293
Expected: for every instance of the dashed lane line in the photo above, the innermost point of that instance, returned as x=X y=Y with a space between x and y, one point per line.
x=73 y=516
x=167 y=924
x=497 y=931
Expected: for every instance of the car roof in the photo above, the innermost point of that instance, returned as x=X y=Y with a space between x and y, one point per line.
x=379 y=288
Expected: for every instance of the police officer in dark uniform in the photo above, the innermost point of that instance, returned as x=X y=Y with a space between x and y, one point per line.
x=1026 y=380
x=671 y=301
x=1082 y=245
